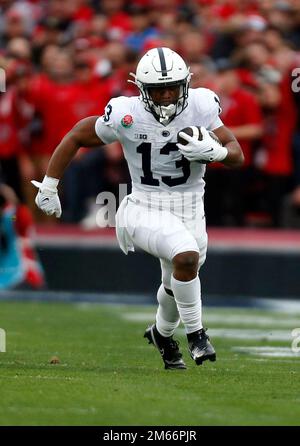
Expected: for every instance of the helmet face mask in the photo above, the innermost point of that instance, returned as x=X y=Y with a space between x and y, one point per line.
x=162 y=68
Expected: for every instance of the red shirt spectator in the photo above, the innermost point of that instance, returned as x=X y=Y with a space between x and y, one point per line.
x=53 y=102
x=9 y=140
x=61 y=106
x=119 y=22
x=83 y=12
x=119 y=26
x=89 y=99
x=279 y=126
x=241 y=108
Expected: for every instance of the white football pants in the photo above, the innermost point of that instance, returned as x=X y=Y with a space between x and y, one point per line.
x=164 y=235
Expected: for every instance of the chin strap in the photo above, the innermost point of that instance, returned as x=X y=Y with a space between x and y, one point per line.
x=165 y=112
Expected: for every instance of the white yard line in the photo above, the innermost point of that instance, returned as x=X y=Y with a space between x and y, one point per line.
x=58 y=378
x=267 y=327
x=51 y=410
x=267 y=334
x=222 y=319
x=279 y=305
x=138 y=317
x=248 y=334
x=253 y=320
x=277 y=352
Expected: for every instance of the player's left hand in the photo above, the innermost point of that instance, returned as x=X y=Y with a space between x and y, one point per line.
x=207 y=149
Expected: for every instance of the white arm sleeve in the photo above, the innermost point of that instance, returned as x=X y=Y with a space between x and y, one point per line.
x=104 y=132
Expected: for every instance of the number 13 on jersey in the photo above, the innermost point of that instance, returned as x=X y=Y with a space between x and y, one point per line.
x=145 y=150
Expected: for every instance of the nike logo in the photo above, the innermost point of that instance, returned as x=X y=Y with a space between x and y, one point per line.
x=45 y=199
x=210 y=150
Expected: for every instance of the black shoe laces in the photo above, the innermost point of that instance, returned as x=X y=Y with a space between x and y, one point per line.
x=174 y=345
x=172 y=348
x=200 y=338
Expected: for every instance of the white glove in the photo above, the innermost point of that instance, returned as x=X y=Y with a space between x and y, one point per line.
x=208 y=149
x=47 y=198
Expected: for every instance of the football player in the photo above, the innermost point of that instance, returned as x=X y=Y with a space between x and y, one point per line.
x=164 y=214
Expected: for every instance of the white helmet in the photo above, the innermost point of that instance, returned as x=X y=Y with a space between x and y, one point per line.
x=162 y=67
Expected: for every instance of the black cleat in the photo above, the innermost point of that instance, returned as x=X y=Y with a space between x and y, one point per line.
x=167 y=347
x=200 y=348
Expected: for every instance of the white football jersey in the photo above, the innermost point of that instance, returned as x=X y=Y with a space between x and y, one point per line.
x=154 y=160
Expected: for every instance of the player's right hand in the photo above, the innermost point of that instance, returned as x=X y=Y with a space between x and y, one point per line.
x=47 y=198
x=207 y=149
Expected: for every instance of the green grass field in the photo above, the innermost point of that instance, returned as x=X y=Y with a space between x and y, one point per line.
x=108 y=375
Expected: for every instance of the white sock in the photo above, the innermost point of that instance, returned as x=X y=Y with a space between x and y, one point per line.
x=188 y=299
x=167 y=316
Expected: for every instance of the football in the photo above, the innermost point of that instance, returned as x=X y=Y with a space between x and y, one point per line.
x=195 y=132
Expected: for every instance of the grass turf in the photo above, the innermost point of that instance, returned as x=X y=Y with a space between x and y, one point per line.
x=109 y=376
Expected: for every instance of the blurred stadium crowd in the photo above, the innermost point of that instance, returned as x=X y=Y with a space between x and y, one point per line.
x=63 y=60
